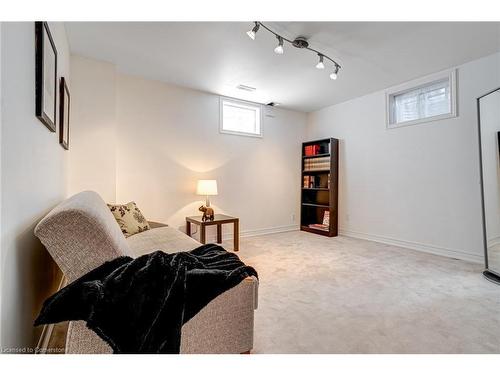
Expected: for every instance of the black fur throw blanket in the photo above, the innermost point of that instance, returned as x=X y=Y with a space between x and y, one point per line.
x=139 y=305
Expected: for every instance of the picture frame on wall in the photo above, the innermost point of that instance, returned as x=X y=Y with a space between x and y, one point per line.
x=64 y=106
x=45 y=76
x=498 y=144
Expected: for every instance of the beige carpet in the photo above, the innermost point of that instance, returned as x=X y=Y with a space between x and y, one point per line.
x=343 y=295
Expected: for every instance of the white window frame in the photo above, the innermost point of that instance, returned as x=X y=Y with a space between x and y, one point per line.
x=244 y=102
x=450 y=75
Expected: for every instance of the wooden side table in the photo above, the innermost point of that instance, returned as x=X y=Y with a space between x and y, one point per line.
x=219 y=219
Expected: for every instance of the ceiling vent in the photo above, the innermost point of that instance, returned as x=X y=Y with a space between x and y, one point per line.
x=246 y=88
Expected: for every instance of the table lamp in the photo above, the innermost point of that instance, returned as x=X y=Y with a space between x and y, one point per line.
x=207 y=188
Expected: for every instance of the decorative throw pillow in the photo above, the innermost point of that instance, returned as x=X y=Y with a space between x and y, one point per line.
x=129 y=218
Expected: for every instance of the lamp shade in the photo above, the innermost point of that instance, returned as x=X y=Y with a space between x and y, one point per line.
x=206 y=187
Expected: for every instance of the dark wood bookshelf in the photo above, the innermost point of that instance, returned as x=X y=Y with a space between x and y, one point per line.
x=319 y=181
x=315 y=156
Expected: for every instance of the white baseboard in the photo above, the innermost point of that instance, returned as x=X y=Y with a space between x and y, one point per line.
x=261 y=232
x=431 y=249
x=255 y=232
x=436 y=250
x=493 y=241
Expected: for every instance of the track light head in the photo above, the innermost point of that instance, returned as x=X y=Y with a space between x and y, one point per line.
x=251 y=33
x=279 y=48
x=299 y=42
x=335 y=72
x=320 y=64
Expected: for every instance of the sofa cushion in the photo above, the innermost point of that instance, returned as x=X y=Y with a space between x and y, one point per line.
x=166 y=239
x=129 y=218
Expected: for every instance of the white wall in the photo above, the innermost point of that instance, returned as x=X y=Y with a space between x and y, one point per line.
x=168 y=137
x=33 y=180
x=490 y=125
x=416 y=186
x=163 y=138
x=93 y=127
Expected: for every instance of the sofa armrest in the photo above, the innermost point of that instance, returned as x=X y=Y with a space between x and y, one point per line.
x=225 y=324
x=253 y=280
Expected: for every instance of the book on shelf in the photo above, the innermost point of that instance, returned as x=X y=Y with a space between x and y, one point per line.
x=311 y=150
x=317 y=164
x=326 y=218
x=318 y=226
x=312 y=182
x=308 y=182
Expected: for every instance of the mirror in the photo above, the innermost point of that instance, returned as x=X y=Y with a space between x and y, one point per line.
x=489 y=138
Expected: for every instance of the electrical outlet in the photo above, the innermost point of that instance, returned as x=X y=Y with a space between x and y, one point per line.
x=293 y=218
x=347 y=217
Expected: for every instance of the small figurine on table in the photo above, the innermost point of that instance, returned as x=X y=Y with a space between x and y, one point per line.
x=208 y=213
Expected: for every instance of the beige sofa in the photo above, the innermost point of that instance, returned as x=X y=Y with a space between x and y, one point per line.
x=81 y=234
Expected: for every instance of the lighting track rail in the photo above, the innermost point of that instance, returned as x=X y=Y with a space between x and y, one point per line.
x=298 y=42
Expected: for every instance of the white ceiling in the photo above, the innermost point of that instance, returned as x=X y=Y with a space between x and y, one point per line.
x=217 y=56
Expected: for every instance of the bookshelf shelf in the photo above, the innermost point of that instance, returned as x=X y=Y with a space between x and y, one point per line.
x=312 y=230
x=315 y=156
x=316 y=205
x=319 y=193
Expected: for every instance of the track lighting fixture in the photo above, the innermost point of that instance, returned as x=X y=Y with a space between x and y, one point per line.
x=320 y=64
x=279 y=48
x=298 y=42
x=334 y=74
x=253 y=32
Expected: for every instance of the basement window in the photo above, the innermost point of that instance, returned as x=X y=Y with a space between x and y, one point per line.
x=240 y=117
x=425 y=100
